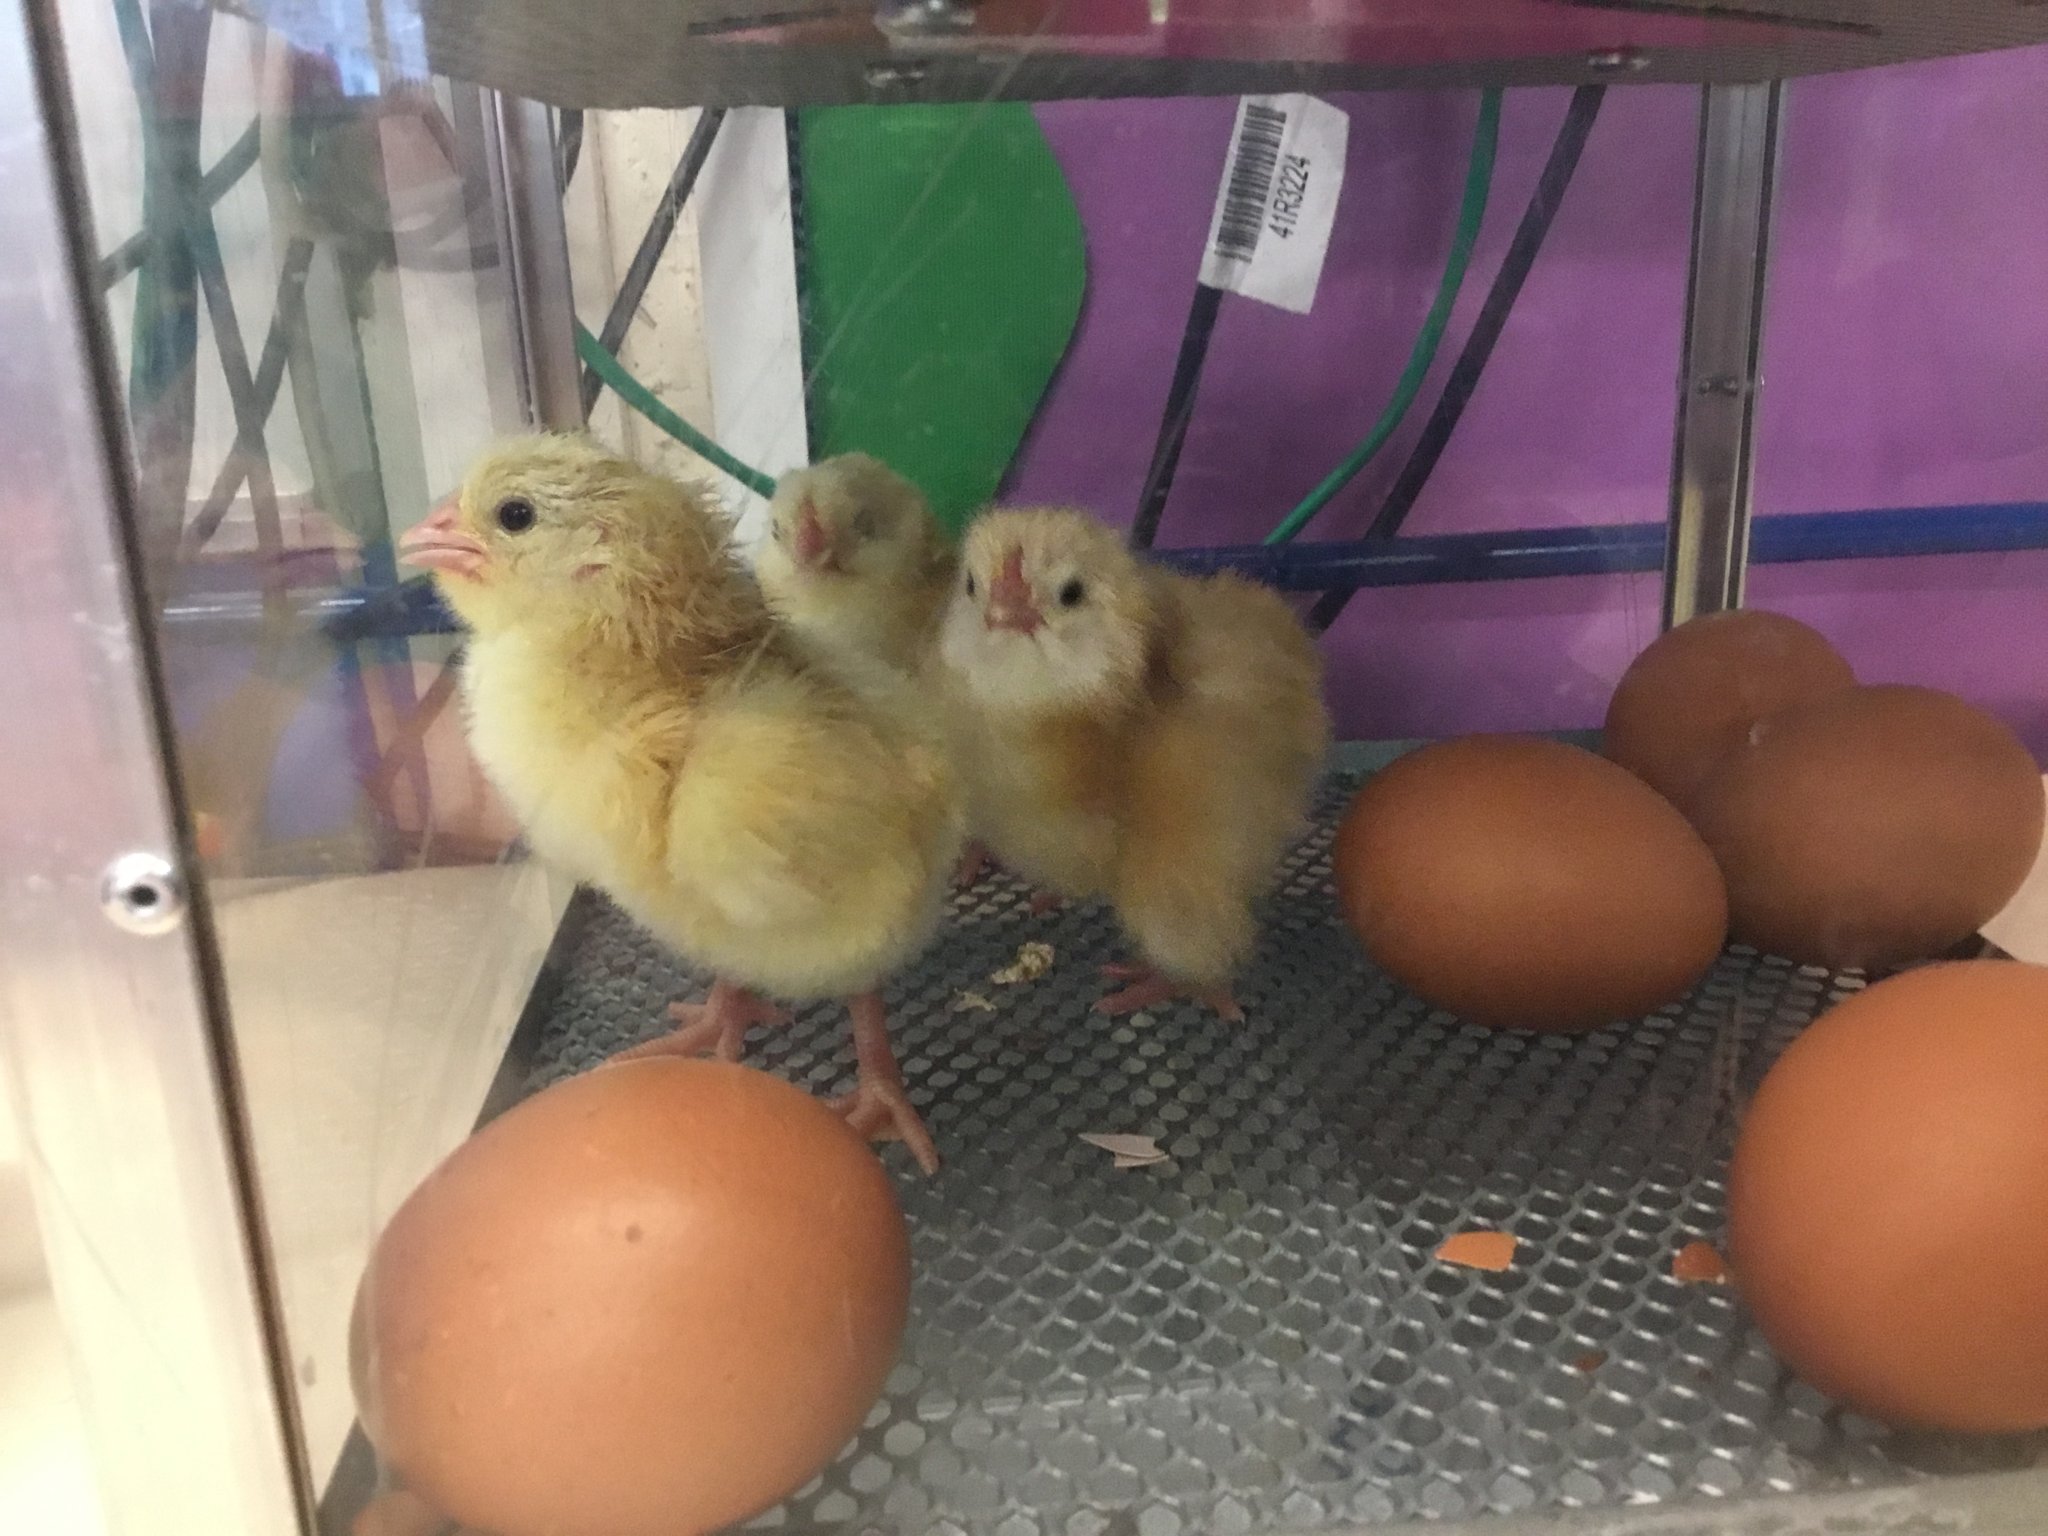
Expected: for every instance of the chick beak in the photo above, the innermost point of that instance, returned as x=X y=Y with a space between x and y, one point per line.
x=813 y=545
x=439 y=544
x=1010 y=604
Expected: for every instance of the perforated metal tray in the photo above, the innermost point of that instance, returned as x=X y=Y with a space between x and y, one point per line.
x=1256 y=1336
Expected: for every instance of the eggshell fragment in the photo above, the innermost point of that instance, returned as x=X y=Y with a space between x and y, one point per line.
x=1034 y=959
x=1121 y=1145
x=1479 y=1250
x=1699 y=1264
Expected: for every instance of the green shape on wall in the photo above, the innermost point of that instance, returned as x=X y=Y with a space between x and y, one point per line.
x=943 y=268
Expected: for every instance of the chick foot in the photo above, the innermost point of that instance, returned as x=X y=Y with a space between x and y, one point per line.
x=878 y=1107
x=1148 y=989
x=974 y=863
x=715 y=1027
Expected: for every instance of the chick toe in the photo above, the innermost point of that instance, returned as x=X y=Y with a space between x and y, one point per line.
x=879 y=1108
x=1148 y=988
x=715 y=1027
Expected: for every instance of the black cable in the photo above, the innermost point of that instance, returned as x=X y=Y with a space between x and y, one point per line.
x=652 y=244
x=806 y=307
x=1522 y=252
x=1180 y=408
x=569 y=141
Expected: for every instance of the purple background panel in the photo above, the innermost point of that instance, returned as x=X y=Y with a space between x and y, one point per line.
x=1906 y=353
x=1593 y=342
x=1906 y=364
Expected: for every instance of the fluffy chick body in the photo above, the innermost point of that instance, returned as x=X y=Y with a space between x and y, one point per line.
x=1131 y=733
x=856 y=566
x=860 y=572
x=658 y=737
x=762 y=827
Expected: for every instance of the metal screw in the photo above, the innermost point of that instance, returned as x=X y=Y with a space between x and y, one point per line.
x=895 y=76
x=1618 y=61
x=924 y=17
x=142 y=893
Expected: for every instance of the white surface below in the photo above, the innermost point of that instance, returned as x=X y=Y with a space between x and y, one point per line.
x=370 y=1014
x=46 y=1481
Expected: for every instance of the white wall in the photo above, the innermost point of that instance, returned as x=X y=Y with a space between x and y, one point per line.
x=717 y=337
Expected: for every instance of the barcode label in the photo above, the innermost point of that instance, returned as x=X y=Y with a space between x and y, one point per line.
x=1277 y=201
x=1249 y=185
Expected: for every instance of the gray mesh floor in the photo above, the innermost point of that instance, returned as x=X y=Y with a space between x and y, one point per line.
x=1255 y=1336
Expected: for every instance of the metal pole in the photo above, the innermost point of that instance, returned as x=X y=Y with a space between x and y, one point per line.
x=1706 y=550
x=535 y=243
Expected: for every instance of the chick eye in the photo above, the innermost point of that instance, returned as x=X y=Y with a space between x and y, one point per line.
x=970 y=586
x=864 y=524
x=1072 y=593
x=515 y=516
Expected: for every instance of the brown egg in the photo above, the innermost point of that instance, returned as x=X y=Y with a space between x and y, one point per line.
x=1525 y=884
x=398 y=1513
x=1690 y=698
x=1874 y=827
x=650 y=1301
x=1888 y=1202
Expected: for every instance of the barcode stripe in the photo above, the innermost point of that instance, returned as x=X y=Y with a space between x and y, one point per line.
x=1254 y=162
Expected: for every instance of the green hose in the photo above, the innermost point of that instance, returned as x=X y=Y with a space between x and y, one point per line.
x=1478 y=182
x=642 y=399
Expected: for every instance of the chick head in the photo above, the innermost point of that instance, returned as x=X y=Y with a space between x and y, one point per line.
x=555 y=530
x=1050 y=611
x=849 y=517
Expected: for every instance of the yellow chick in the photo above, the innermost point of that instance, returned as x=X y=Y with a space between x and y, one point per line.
x=855 y=564
x=1130 y=733
x=860 y=571
x=660 y=737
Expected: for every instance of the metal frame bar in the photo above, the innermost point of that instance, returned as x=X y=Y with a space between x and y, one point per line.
x=118 y=1050
x=1713 y=460
x=1604 y=549
x=535 y=241
x=1788 y=538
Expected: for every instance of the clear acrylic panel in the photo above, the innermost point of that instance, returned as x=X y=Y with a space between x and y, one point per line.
x=303 y=277
x=314 y=253
x=46 y=1478
x=1568 y=428
x=1902 y=369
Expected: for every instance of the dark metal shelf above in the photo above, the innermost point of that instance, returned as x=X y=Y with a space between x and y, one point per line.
x=682 y=53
